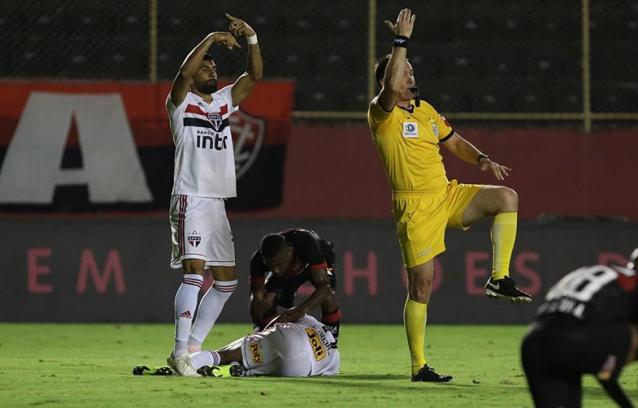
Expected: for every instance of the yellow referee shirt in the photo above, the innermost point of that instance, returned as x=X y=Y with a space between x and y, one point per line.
x=408 y=143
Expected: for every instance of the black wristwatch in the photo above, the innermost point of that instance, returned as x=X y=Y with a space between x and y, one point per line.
x=481 y=156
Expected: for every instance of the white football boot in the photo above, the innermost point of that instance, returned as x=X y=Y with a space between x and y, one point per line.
x=182 y=366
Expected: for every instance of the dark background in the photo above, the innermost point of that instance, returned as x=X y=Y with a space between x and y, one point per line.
x=548 y=88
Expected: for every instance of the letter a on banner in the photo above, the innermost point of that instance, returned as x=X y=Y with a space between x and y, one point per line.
x=112 y=169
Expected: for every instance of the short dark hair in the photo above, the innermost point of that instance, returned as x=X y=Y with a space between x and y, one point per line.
x=208 y=57
x=271 y=244
x=379 y=68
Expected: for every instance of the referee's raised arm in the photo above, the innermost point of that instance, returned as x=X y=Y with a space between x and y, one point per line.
x=393 y=77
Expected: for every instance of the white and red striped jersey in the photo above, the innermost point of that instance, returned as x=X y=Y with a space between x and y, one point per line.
x=204 y=154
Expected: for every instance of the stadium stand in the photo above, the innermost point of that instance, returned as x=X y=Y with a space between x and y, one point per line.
x=463 y=53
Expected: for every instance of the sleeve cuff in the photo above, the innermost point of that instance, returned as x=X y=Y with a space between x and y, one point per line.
x=448 y=136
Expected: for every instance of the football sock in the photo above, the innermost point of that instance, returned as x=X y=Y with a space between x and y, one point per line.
x=206 y=357
x=208 y=311
x=185 y=304
x=415 y=315
x=503 y=236
x=332 y=321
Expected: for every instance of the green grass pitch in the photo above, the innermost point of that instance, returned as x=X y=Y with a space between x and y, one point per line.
x=74 y=365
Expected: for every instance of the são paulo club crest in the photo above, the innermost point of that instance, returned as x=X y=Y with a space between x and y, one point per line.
x=194 y=239
x=215 y=119
x=248 y=136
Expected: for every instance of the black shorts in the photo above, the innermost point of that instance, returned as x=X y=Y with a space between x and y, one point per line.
x=557 y=352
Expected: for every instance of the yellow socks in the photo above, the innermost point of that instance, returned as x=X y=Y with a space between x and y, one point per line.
x=503 y=238
x=415 y=315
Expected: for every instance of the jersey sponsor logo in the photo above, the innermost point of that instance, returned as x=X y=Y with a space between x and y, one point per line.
x=317 y=343
x=211 y=140
x=194 y=239
x=255 y=352
x=410 y=130
x=248 y=134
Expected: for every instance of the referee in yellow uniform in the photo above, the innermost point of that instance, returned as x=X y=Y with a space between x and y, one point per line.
x=407 y=133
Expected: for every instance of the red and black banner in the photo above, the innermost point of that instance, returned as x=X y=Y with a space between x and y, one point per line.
x=107 y=146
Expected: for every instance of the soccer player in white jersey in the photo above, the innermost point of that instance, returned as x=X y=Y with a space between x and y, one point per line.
x=303 y=348
x=204 y=177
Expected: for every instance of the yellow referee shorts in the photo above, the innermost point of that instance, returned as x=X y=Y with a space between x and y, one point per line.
x=422 y=219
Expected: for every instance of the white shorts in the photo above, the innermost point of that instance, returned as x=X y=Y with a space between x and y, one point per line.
x=200 y=230
x=279 y=351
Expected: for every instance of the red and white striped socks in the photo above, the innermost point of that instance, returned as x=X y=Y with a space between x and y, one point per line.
x=209 y=309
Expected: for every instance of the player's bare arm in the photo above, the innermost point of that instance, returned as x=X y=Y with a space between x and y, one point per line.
x=319 y=279
x=193 y=62
x=467 y=152
x=394 y=77
x=255 y=67
x=260 y=303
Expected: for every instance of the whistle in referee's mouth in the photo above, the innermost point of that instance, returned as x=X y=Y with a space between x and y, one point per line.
x=417 y=99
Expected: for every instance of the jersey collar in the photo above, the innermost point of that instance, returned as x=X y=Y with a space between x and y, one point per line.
x=409 y=110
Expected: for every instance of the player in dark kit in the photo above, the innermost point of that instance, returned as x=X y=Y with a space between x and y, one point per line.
x=587 y=325
x=285 y=261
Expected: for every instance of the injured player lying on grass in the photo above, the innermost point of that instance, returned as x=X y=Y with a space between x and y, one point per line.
x=300 y=349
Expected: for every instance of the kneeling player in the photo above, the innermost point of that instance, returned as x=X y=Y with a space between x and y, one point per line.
x=284 y=262
x=587 y=325
x=296 y=349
